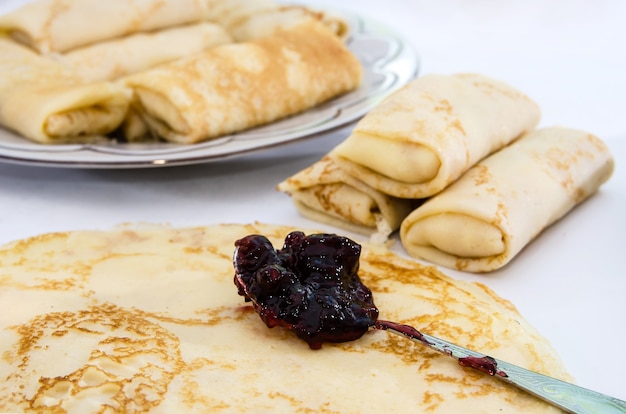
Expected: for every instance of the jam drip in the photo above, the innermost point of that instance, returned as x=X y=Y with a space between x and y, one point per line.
x=310 y=286
x=406 y=330
x=485 y=364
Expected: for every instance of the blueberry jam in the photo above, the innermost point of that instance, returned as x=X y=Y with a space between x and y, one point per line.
x=310 y=286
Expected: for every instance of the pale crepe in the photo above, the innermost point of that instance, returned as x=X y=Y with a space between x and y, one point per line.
x=426 y=135
x=325 y=193
x=250 y=19
x=150 y=320
x=45 y=102
x=483 y=220
x=61 y=25
x=117 y=58
x=113 y=59
x=233 y=87
x=134 y=128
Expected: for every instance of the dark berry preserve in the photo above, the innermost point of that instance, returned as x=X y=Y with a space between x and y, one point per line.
x=310 y=286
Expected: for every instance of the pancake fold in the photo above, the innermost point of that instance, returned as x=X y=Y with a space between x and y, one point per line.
x=60 y=25
x=485 y=219
x=249 y=19
x=234 y=87
x=119 y=57
x=48 y=103
x=325 y=193
x=427 y=134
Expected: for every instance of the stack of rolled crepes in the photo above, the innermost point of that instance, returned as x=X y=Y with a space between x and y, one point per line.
x=411 y=146
x=464 y=149
x=116 y=43
x=63 y=25
x=484 y=219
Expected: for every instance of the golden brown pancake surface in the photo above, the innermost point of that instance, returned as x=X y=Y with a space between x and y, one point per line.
x=149 y=319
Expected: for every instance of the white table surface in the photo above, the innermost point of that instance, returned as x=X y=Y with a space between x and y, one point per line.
x=568 y=55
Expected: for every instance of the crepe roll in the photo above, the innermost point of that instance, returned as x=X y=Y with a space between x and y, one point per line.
x=231 y=13
x=485 y=219
x=427 y=134
x=45 y=102
x=268 y=21
x=237 y=86
x=324 y=193
x=61 y=25
x=249 y=19
x=113 y=59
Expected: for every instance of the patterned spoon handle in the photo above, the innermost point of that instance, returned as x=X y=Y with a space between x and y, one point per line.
x=567 y=396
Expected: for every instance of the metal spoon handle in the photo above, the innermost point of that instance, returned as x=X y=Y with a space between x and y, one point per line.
x=569 y=397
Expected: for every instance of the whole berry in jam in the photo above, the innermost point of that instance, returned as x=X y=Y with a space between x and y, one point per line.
x=310 y=286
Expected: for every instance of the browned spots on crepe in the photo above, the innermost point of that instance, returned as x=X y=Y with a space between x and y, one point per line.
x=288 y=72
x=136 y=357
x=132 y=359
x=481 y=174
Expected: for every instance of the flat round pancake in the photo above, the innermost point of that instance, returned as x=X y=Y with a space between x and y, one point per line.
x=148 y=319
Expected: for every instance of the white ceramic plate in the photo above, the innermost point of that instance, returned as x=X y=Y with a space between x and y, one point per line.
x=389 y=62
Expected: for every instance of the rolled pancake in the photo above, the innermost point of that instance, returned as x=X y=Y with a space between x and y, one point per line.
x=149 y=319
x=250 y=19
x=233 y=87
x=113 y=59
x=60 y=25
x=325 y=193
x=45 y=102
x=426 y=135
x=485 y=219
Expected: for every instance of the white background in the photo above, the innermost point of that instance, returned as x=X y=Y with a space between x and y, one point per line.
x=568 y=55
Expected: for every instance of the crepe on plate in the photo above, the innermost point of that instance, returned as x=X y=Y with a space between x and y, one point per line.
x=237 y=86
x=46 y=102
x=484 y=219
x=427 y=134
x=61 y=25
x=325 y=193
x=249 y=19
x=113 y=59
x=149 y=319
x=50 y=26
